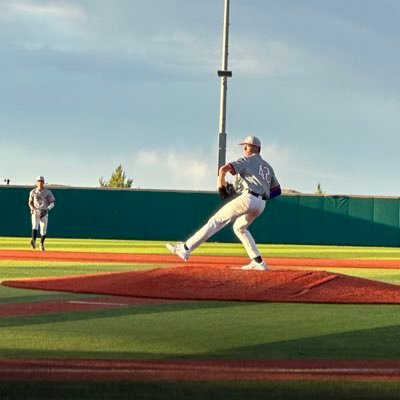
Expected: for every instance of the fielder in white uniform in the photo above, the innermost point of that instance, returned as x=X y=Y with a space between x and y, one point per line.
x=41 y=201
x=259 y=185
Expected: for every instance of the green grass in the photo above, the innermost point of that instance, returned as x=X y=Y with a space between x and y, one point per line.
x=382 y=275
x=211 y=330
x=280 y=390
x=197 y=330
x=158 y=247
x=42 y=269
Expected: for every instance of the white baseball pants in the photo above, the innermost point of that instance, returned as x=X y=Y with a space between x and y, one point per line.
x=243 y=210
x=41 y=223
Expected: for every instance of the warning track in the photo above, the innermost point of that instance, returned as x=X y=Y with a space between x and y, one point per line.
x=196 y=370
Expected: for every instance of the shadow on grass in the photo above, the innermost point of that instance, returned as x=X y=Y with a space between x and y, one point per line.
x=139 y=309
x=367 y=343
x=371 y=343
x=281 y=390
x=381 y=342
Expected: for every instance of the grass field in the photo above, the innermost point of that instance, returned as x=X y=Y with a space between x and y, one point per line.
x=154 y=247
x=197 y=330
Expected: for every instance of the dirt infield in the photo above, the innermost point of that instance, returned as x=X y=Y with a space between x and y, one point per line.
x=196 y=370
x=169 y=259
x=219 y=278
x=298 y=279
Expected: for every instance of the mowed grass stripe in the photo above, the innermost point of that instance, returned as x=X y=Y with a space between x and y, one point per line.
x=207 y=330
x=230 y=249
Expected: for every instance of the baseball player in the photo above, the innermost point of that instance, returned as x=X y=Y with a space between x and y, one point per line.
x=259 y=185
x=41 y=201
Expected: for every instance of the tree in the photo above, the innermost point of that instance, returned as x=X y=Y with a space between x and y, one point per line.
x=118 y=179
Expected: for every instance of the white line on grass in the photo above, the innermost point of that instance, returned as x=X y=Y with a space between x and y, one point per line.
x=97 y=303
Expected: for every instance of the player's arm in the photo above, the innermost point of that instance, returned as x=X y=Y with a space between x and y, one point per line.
x=275 y=192
x=51 y=200
x=222 y=174
x=30 y=204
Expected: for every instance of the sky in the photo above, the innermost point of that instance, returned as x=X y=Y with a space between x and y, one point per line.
x=88 y=85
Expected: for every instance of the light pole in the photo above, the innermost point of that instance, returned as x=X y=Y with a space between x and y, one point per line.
x=224 y=74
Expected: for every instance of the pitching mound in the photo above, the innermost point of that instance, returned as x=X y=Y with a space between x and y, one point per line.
x=224 y=283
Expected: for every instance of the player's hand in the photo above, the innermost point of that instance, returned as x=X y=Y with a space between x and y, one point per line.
x=226 y=191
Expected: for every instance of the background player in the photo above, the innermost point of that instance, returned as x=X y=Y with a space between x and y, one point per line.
x=41 y=201
x=259 y=184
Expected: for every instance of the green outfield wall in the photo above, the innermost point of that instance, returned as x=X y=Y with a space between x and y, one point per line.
x=175 y=215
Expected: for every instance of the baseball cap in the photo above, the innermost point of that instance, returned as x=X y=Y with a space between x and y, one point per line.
x=254 y=141
x=40 y=178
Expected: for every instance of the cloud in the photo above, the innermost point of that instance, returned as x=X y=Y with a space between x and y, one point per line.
x=185 y=50
x=297 y=169
x=48 y=10
x=173 y=169
x=35 y=26
x=109 y=37
x=266 y=57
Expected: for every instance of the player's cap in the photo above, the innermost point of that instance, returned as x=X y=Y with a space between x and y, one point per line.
x=40 y=178
x=252 y=140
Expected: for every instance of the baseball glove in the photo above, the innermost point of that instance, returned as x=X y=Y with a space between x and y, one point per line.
x=227 y=191
x=43 y=213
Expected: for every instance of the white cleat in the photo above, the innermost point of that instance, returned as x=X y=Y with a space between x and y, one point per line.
x=42 y=247
x=179 y=250
x=254 y=265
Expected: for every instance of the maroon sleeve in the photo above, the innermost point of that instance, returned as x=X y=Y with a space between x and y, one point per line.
x=231 y=170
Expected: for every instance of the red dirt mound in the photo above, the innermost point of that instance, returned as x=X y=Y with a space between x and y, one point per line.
x=225 y=283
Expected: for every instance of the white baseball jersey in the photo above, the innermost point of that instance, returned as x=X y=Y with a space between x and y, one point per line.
x=41 y=199
x=257 y=175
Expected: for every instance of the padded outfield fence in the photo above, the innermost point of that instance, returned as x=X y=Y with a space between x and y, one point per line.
x=174 y=215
